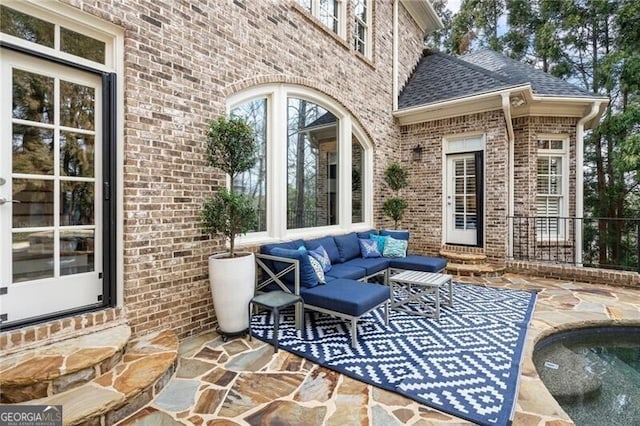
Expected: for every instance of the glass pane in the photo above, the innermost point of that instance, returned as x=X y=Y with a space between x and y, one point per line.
x=459 y=185
x=32 y=150
x=26 y=27
x=76 y=154
x=81 y=45
x=32 y=255
x=360 y=9
x=76 y=251
x=76 y=201
x=77 y=105
x=36 y=203
x=312 y=164
x=471 y=184
x=357 y=173
x=329 y=14
x=254 y=182
x=557 y=144
x=305 y=4
x=32 y=97
x=543 y=165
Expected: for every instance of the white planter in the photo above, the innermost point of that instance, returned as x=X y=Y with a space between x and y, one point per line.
x=232 y=282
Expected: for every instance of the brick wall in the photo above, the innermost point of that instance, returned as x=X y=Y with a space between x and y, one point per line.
x=527 y=131
x=424 y=216
x=182 y=60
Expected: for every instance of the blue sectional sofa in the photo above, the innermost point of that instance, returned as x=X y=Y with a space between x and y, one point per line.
x=347 y=263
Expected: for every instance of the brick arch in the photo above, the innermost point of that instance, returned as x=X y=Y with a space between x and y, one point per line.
x=260 y=80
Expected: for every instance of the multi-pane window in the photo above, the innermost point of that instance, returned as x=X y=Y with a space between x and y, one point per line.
x=361 y=28
x=311 y=165
x=329 y=12
x=35 y=30
x=254 y=182
x=551 y=196
x=314 y=165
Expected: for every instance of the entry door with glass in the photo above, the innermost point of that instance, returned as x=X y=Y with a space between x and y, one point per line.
x=50 y=209
x=464 y=199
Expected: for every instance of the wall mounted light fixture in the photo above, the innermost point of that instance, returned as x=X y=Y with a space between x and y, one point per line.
x=416 y=153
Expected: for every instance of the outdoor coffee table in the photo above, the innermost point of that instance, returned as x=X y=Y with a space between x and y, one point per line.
x=409 y=287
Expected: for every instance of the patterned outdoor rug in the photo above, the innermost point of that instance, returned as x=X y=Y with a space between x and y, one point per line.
x=467 y=364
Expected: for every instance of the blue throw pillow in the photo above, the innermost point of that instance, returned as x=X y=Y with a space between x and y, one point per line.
x=369 y=248
x=321 y=255
x=395 y=248
x=379 y=239
x=317 y=268
x=308 y=277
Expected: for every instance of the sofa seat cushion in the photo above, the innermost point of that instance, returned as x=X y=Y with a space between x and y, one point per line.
x=348 y=246
x=346 y=296
x=346 y=270
x=372 y=265
x=419 y=263
x=329 y=246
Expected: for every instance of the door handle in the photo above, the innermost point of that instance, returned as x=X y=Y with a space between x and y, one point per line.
x=4 y=201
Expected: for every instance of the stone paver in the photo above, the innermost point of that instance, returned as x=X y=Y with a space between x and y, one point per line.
x=249 y=384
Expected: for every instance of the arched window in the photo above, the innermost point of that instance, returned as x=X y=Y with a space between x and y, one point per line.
x=314 y=173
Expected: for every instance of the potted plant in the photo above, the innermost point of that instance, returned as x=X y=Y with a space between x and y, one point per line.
x=396 y=177
x=231 y=147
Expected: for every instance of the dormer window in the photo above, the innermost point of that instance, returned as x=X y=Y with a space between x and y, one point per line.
x=362 y=32
x=329 y=12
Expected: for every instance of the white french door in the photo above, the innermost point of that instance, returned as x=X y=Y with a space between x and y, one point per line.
x=463 y=199
x=50 y=188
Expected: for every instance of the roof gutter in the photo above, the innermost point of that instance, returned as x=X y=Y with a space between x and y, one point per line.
x=506 y=108
x=595 y=111
x=406 y=112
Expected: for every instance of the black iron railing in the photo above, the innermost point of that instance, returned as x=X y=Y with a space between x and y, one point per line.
x=609 y=243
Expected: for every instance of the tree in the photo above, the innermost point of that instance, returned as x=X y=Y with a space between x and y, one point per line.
x=230 y=146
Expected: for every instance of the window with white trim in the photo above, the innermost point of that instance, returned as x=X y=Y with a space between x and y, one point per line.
x=552 y=182
x=329 y=12
x=361 y=29
x=315 y=163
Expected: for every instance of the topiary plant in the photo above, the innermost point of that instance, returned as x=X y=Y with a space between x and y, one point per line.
x=230 y=146
x=396 y=177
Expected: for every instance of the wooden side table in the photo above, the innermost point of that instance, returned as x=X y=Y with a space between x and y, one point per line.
x=275 y=301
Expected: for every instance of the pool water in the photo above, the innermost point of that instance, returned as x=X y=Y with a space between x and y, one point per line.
x=594 y=374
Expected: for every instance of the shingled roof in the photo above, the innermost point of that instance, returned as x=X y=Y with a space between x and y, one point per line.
x=440 y=77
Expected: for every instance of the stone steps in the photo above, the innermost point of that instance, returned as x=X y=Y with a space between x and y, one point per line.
x=476 y=270
x=142 y=370
x=55 y=368
x=465 y=258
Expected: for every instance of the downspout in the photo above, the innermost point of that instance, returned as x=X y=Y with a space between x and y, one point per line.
x=595 y=108
x=394 y=68
x=506 y=108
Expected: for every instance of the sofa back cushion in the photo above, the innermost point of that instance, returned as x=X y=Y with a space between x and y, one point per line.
x=348 y=246
x=366 y=234
x=267 y=248
x=308 y=277
x=398 y=235
x=329 y=246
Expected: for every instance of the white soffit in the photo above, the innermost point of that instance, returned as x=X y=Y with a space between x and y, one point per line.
x=424 y=14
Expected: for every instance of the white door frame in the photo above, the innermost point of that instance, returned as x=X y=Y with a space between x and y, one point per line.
x=59 y=293
x=471 y=145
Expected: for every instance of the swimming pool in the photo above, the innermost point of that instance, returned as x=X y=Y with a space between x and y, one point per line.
x=594 y=373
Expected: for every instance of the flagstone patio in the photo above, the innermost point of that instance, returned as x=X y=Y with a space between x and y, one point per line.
x=241 y=382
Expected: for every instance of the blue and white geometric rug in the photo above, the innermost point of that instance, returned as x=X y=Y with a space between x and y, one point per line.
x=466 y=364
